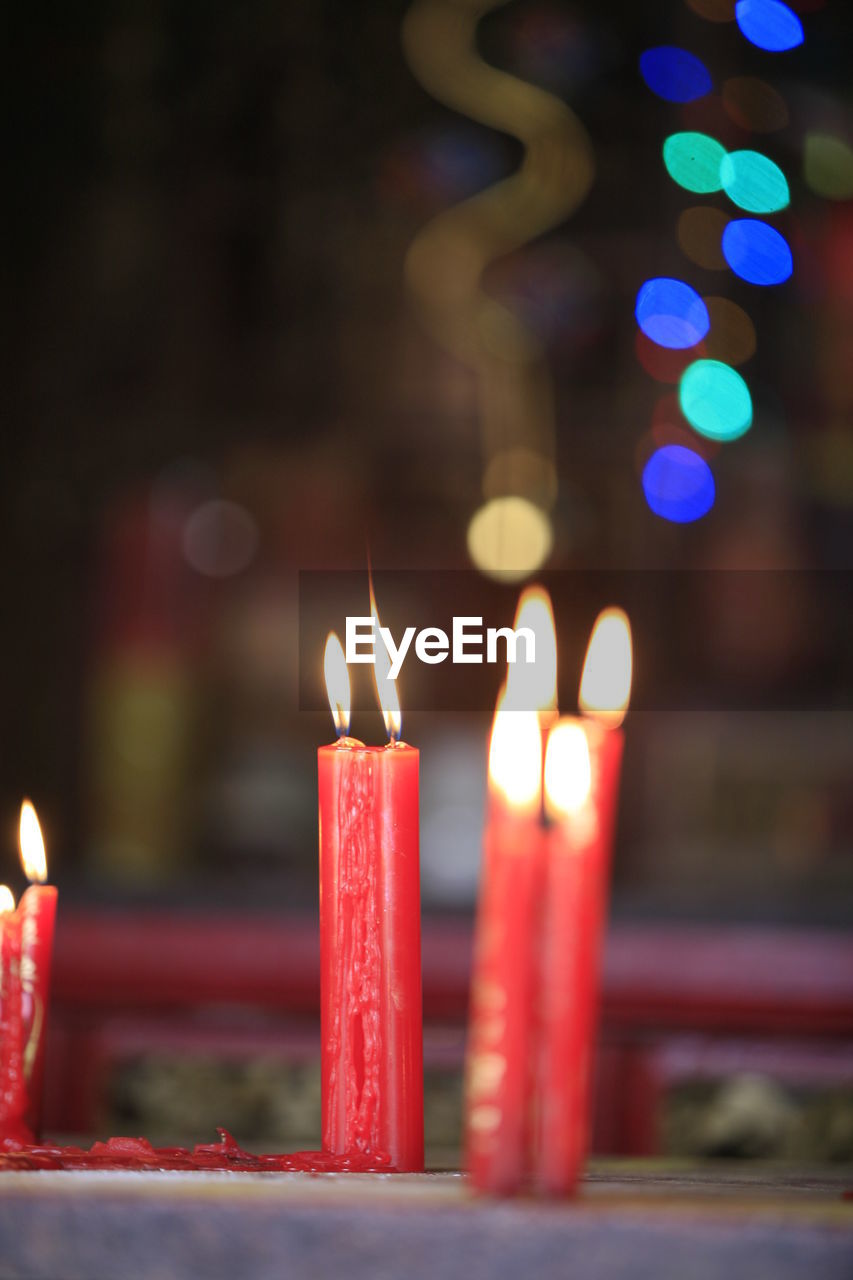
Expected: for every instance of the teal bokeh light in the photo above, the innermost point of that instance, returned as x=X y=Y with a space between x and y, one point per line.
x=753 y=182
x=694 y=161
x=715 y=400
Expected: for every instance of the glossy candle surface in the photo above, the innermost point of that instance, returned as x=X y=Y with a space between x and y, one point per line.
x=37 y=911
x=370 y=998
x=498 y=1069
x=577 y=875
x=26 y=947
x=13 y=1091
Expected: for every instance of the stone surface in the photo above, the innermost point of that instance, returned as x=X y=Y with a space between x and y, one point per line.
x=650 y=1222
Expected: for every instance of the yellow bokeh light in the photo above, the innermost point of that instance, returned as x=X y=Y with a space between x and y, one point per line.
x=523 y=472
x=509 y=538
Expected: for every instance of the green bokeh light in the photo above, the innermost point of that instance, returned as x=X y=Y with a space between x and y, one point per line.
x=694 y=161
x=753 y=182
x=828 y=166
x=715 y=400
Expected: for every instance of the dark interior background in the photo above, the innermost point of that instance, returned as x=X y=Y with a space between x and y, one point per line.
x=209 y=210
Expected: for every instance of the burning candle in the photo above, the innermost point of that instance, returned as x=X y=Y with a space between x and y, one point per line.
x=370 y=934
x=497 y=1085
x=582 y=765
x=500 y=1044
x=26 y=948
x=569 y=938
x=605 y=691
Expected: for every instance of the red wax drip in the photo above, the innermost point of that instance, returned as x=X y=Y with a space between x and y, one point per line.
x=138 y=1154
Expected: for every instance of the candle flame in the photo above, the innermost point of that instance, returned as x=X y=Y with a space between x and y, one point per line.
x=337 y=683
x=386 y=689
x=606 y=681
x=33 y=858
x=568 y=770
x=534 y=686
x=7 y=899
x=515 y=756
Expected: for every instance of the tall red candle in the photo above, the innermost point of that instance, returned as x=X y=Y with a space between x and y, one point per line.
x=499 y=1056
x=370 y=978
x=582 y=768
x=26 y=948
x=13 y=1092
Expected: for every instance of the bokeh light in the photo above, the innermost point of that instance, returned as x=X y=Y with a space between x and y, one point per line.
x=665 y=364
x=715 y=400
x=700 y=234
x=831 y=464
x=754 y=182
x=713 y=10
x=676 y=431
x=732 y=335
x=674 y=74
x=509 y=538
x=769 y=24
x=667 y=410
x=828 y=166
x=693 y=160
x=554 y=288
x=220 y=538
x=756 y=252
x=671 y=313
x=678 y=484
x=523 y=472
x=670 y=428
x=754 y=104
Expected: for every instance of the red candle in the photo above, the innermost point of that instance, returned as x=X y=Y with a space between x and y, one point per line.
x=499 y=1057
x=582 y=767
x=370 y=978
x=26 y=948
x=13 y=1093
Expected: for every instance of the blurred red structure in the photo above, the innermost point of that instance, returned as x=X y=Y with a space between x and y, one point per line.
x=679 y=1002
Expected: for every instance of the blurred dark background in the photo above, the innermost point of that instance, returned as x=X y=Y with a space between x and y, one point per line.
x=216 y=376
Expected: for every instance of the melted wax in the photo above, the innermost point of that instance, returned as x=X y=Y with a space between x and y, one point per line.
x=222 y=1156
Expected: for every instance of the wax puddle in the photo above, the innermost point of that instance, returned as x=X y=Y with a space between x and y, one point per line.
x=137 y=1155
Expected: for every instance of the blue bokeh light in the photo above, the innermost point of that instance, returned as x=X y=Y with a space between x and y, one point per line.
x=674 y=74
x=770 y=24
x=678 y=484
x=671 y=313
x=757 y=252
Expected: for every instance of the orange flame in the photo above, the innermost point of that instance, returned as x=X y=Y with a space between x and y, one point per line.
x=515 y=757
x=568 y=771
x=534 y=686
x=337 y=683
x=31 y=843
x=386 y=689
x=607 y=671
x=7 y=899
